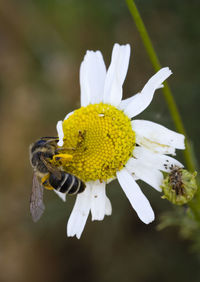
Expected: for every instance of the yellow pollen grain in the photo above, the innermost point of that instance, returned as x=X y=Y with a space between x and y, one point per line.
x=101 y=140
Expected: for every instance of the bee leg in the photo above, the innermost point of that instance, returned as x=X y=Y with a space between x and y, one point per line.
x=45 y=182
x=62 y=159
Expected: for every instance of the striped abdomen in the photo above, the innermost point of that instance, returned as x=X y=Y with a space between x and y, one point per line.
x=69 y=183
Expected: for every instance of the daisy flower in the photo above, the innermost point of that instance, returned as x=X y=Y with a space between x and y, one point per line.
x=107 y=143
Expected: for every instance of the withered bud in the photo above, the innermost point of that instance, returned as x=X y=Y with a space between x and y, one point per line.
x=179 y=186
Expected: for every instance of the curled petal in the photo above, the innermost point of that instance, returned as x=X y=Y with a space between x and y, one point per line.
x=142 y=100
x=124 y=103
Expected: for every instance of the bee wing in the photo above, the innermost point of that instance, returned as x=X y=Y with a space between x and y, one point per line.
x=36 y=202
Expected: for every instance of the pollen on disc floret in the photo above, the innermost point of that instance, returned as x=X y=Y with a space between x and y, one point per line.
x=101 y=140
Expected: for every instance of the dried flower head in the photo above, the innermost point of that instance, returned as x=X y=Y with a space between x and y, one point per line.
x=179 y=186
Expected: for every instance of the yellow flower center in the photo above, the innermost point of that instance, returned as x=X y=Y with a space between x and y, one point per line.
x=100 y=139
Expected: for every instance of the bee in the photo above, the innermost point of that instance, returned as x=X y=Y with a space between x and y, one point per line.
x=47 y=175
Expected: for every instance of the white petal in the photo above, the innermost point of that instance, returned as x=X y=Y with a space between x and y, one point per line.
x=157 y=137
x=68 y=115
x=62 y=196
x=98 y=201
x=92 y=78
x=116 y=74
x=79 y=214
x=148 y=174
x=60 y=132
x=143 y=99
x=124 y=103
x=108 y=209
x=137 y=199
x=158 y=161
x=154 y=146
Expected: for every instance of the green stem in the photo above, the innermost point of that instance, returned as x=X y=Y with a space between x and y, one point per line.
x=166 y=90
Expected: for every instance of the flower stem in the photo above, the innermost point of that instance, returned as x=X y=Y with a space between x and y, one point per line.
x=188 y=154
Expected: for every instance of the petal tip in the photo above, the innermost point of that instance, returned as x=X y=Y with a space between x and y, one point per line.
x=167 y=71
x=97 y=218
x=78 y=236
x=62 y=196
x=60 y=143
x=150 y=218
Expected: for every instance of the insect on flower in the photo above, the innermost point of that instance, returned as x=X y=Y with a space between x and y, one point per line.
x=110 y=144
x=47 y=175
x=179 y=187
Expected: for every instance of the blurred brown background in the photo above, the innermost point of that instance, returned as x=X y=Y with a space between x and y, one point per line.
x=42 y=44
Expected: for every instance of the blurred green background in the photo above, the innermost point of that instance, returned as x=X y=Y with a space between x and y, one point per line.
x=42 y=44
